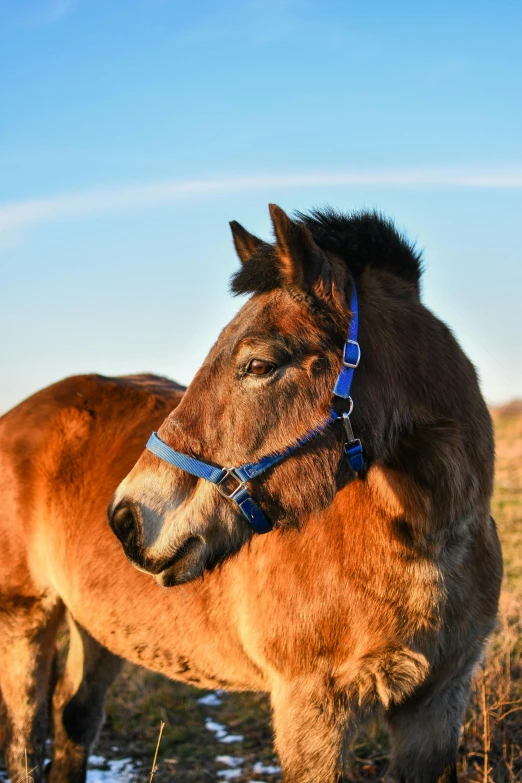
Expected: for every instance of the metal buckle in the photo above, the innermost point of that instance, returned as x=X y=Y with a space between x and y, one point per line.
x=240 y=483
x=349 y=364
x=347 y=424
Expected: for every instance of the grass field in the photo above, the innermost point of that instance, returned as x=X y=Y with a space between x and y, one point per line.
x=491 y=747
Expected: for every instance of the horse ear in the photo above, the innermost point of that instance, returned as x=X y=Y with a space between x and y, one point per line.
x=245 y=243
x=303 y=263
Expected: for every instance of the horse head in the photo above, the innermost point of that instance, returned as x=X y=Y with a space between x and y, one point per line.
x=265 y=384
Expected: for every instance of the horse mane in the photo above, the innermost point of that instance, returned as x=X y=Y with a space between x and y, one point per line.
x=364 y=240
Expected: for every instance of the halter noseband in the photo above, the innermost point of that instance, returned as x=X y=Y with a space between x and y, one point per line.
x=231 y=482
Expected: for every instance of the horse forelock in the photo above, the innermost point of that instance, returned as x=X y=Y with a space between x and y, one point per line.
x=363 y=240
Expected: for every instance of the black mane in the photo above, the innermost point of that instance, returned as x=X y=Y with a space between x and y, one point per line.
x=363 y=239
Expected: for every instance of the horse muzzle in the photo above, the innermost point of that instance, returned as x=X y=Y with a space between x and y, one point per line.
x=187 y=561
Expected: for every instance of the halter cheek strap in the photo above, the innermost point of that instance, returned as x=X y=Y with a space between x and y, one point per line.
x=231 y=482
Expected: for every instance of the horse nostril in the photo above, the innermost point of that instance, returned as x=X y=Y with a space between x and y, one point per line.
x=123 y=521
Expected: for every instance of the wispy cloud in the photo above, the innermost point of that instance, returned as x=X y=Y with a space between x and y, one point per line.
x=19 y=216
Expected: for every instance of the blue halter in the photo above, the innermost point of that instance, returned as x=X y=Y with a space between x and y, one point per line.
x=235 y=478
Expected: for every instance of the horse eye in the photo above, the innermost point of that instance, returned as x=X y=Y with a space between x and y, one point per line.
x=260 y=367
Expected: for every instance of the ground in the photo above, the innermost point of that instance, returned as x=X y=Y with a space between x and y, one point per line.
x=216 y=736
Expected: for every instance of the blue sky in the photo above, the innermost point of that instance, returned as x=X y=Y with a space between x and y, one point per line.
x=132 y=132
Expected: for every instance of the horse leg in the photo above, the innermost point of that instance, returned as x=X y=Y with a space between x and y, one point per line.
x=78 y=704
x=28 y=628
x=310 y=727
x=425 y=733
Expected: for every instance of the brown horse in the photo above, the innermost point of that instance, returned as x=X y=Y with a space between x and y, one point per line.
x=374 y=592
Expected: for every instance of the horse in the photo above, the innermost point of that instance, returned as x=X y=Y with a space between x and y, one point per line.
x=344 y=587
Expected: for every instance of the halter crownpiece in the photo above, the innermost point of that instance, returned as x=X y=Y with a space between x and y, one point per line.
x=231 y=482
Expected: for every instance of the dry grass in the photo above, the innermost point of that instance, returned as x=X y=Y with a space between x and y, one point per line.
x=492 y=740
x=154 y=763
x=507 y=500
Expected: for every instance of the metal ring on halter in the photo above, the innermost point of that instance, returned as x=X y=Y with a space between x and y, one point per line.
x=350 y=409
x=240 y=483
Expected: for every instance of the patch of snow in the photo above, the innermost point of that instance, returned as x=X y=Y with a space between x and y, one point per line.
x=231 y=738
x=221 y=732
x=119 y=771
x=102 y=771
x=211 y=700
x=259 y=768
x=230 y=761
x=217 y=728
x=96 y=761
x=229 y=774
